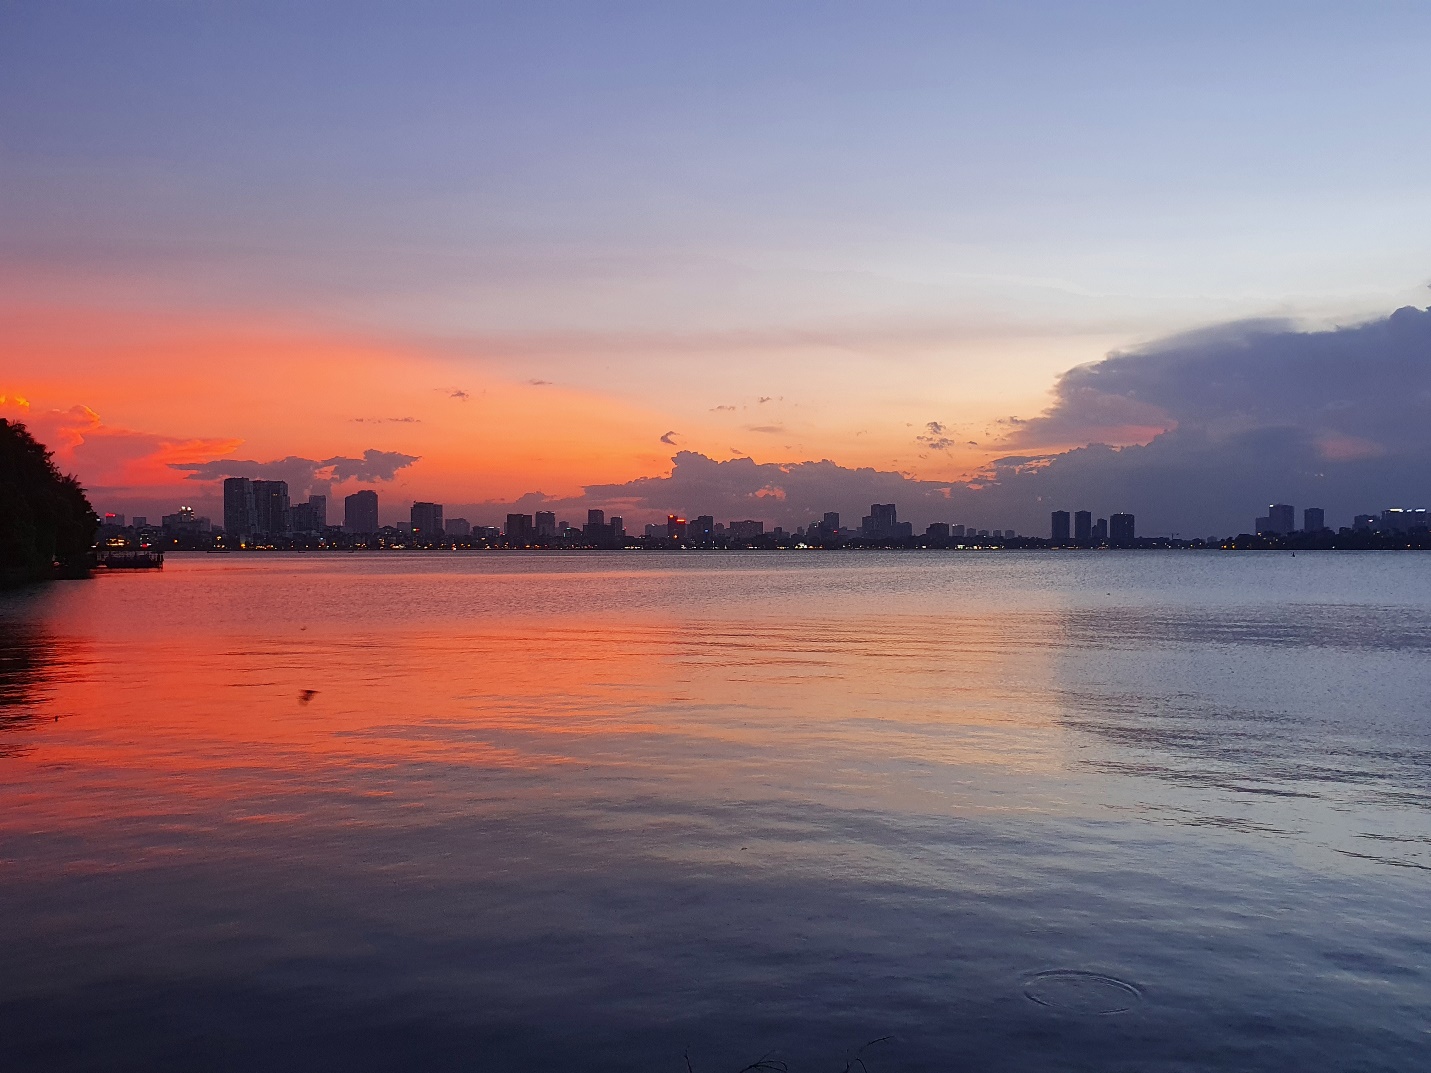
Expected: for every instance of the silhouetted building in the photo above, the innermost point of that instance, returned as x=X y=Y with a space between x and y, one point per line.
x=303 y=519
x=1280 y=518
x=1058 y=527
x=1314 y=520
x=1403 y=519
x=597 y=533
x=702 y=529
x=1100 y=531
x=270 y=502
x=183 y=521
x=937 y=531
x=457 y=527
x=360 y=512
x=520 y=529
x=240 y=516
x=1365 y=522
x=1120 y=530
x=956 y=531
x=427 y=521
x=1082 y=526
x=320 y=512
x=746 y=530
x=675 y=527
x=881 y=523
x=546 y=524
x=831 y=522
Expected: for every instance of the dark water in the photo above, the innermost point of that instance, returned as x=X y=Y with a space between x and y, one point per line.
x=602 y=812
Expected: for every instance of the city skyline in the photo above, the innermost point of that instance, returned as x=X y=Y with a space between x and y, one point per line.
x=258 y=511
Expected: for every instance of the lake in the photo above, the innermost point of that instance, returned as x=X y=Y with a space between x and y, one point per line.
x=670 y=811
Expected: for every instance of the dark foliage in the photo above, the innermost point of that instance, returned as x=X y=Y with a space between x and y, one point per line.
x=47 y=526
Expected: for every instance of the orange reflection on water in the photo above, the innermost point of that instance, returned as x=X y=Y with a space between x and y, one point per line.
x=207 y=727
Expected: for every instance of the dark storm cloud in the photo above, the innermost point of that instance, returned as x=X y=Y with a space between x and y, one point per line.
x=1225 y=421
x=1249 y=413
x=305 y=476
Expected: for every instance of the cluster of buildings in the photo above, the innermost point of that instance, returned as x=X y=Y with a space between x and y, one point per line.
x=1114 y=531
x=255 y=508
x=260 y=513
x=1281 y=520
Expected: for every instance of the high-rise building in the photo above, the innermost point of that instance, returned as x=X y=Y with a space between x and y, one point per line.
x=1082 y=526
x=1281 y=518
x=883 y=517
x=937 y=531
x=1403 y=519
x=746 y=530
x=702 y=529
x=596 y=533
x=831 y=522
x=360 y=512
x=240 y=516
x=1314 y=520
x=459 y=527
x=270 y=503
x=426 y=521
x=320 y=512
x=1100 y=531
x=1120 y=530
x=882 y=523
x=302 y=520
x=184 y=520
x=520 y=529
x=956 y=531
x=546 y=524
x=1058 y=527
x=676 y=527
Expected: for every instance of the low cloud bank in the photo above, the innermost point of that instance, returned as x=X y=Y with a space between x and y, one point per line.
x=305 y=476
x=1194 y=434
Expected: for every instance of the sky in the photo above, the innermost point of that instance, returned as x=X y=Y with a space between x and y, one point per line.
x=750 y=259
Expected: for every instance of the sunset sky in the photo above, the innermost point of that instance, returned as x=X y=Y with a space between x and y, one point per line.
x=498 y=250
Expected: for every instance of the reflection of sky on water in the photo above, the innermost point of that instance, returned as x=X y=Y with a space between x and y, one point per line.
x=530 y=821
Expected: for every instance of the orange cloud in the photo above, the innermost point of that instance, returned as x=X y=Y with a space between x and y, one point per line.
x=111 y=457
x=214 y=385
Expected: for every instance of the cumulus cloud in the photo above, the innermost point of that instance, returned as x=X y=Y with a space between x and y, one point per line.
x=305 y=476
x=1225 y=420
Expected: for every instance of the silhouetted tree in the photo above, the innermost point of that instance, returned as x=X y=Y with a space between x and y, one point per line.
x=46 y=523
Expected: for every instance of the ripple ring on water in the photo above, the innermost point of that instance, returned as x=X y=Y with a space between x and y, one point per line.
x=1079 y=991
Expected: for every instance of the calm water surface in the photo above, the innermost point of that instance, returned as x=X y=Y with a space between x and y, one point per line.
x=606 y=811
